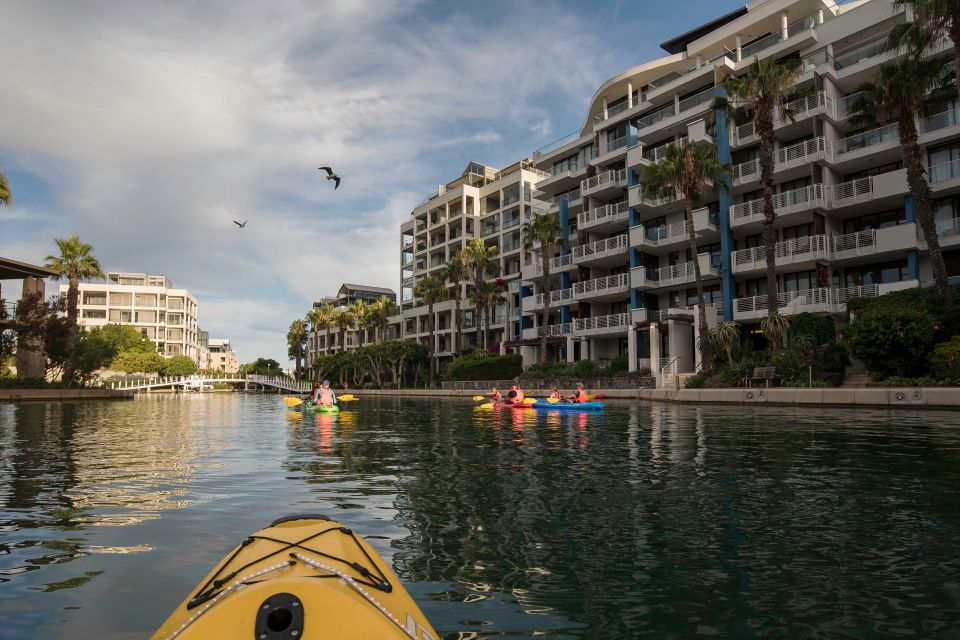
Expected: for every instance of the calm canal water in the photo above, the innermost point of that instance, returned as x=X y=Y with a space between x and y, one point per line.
x=647 y=521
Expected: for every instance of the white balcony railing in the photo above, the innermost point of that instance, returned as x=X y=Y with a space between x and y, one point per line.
x=613 y=245
x=683 y=272
x=784 y=203
x=785 y=158
x=787 y=252
x=665 y=234
x=603 y=215
x=602 y=180
x=801 y=108
x=602 y=324
x=653 y=154
x=806 y=300
x=602 y=286
x=557 y=263
x=558 y=296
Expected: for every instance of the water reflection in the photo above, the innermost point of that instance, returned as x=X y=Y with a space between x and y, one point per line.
x=658 y=520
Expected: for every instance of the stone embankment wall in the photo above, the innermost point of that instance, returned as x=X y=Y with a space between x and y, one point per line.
x=64 y=394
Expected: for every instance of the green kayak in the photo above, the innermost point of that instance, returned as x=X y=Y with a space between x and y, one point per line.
x=319 y=408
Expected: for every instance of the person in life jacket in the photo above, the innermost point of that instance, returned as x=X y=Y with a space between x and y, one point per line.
x=324 y=395
x=495 y=395
x=580 y=395
x=555 y=393
x=516 y=394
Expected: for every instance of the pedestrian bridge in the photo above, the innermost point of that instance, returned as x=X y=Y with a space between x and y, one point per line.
x=205 y=383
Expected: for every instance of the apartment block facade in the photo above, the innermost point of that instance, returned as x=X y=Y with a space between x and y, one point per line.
x=624 y=283
x=150 y=303
x=322 y=341
x=485 y=203
x=221 y=356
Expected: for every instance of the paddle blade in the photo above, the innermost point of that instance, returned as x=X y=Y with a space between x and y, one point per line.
x=347 y=397
x=479 y=398
x=591 y=397
x=529 y=400
x=553 y=400
x=292 y=402
x=486 y=405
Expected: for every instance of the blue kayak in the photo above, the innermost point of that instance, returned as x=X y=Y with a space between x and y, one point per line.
x=571 y=406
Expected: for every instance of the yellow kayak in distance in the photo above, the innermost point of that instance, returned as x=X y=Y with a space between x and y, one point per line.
x=303 y=577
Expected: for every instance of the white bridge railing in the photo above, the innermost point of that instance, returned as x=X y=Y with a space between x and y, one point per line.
x=199 y=381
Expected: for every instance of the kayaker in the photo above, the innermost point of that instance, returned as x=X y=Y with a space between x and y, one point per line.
x=516 y=394
x=324 y=395
x=580 y=395
x=555 y=393
x=495 y=396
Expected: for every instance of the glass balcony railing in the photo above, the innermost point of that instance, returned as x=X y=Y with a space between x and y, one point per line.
x=862 y=53
x=768 y=41
x=866 y=139
x=657 y=116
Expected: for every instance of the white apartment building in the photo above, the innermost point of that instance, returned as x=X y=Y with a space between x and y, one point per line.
x=482 y=202
x=150 y=303
x=624 y=284
x=354 y=338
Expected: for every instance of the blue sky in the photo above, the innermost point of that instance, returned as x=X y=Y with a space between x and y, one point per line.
x=147 y=127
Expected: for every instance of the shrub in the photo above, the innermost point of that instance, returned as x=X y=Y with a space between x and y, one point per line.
x=179 y=366
x=893 y=340
x=620 y=364
x=946 y=360
x=485 y=367
x=834 y=358
x=583 y=369
x=792 y=366
x=698 y=381
x=899 y=381
x=819 y=329
x=542 y=370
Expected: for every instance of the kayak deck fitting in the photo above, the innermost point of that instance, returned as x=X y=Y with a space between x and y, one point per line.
x=304 y=576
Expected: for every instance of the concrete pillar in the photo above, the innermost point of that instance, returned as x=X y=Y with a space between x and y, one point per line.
x=630 y=95
x=819 y=16
x=739 y=49
x=604 y=108
x=699 y=62
x=632 y=349
x=569 y=349
x=584 y=349
x=503 y=348
x=783 y=25
x=676 y=103
x=31 y=362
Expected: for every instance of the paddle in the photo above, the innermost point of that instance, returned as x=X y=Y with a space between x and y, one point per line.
x=485 y=405
x=347 y=397
x=553 y=400
x=479 y=398
x=292 y=402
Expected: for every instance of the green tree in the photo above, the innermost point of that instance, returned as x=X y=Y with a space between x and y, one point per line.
x=775 y=327
x=543 y=232
x=76 y=263
x=179 y=366
x=902 y=91
x=454 y=274
x=431 y=290
x=323 y=317
x=296 y=341
x=723 y=336
x=492 y=296
x=688 y=169
x=480 y=261
x=893 y=341
x=760 y=94
x=932 y=19
x=361 y=318
x=6 y=196
x=262 y=367
x=342 y=319
x=135 y=361
x=381 y=311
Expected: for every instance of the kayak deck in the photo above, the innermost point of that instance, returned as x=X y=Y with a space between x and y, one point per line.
x=570 y=406
x=302 y=577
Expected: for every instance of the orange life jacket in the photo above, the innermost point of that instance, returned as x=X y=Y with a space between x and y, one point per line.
x=517 y=399
x=554 y=394
x=326 y=397
x=580 y=396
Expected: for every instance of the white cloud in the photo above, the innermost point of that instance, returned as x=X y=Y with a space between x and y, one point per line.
x=156 y=124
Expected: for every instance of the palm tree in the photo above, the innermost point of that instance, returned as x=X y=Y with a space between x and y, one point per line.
x=543 y=231
x=761 y=94
x=382 y=309
x=454 y=273
x=479 y=260
x=296 y=336
x=324 y=318
x=492 y=296
x=687 y=169
x=342 y=319
x=430 y=290
x=932 y=19
x=361 y=315
x=724 y=335
x=902 y=91
x=6 y=196
x=775 y=327
x=76 y=263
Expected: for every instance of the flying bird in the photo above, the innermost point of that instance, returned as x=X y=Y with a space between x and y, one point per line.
x=240 y=224
x=331 y=176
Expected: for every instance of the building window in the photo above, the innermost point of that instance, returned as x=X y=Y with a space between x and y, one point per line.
x=570 y=163
x=511 y=194
x=881 y=273
x=800 y=281
x=526 y=192
x=881 y=220
x=710 y=295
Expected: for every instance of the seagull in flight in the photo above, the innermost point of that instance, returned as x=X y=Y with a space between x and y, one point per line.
x=331 y=176
x=240 y=224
